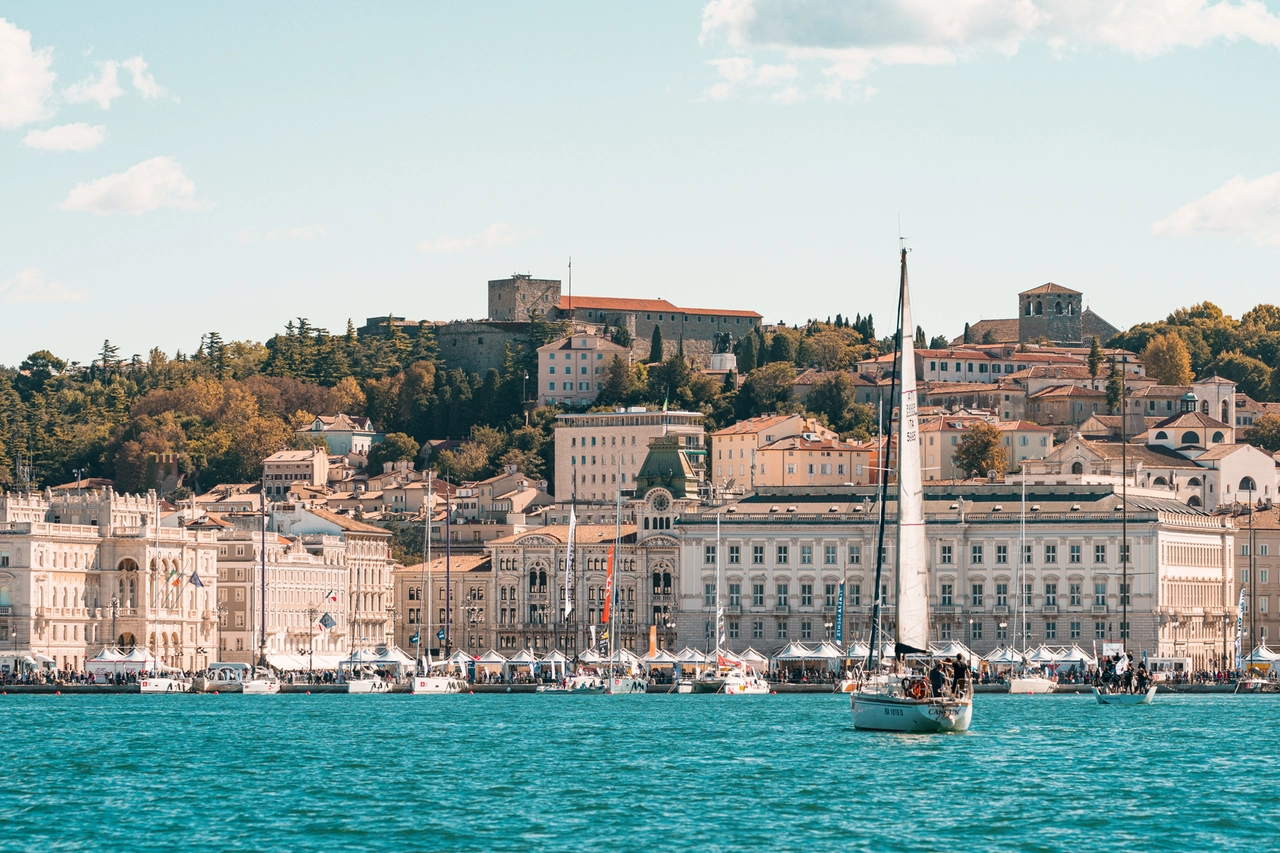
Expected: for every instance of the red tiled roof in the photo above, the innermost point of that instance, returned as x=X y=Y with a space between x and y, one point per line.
x=1049 y=288
x=612 y=303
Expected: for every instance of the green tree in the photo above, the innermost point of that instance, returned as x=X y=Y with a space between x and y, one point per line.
x=1166 y=358
x=619 y=386
x=966 y=334
x=1250 y=375
x=1095 y=357
x=109 y=358
x=655 y=345
x=394 y=448
x=621 y=336
x=981 y=449
x=920 y=338
x=747 y=354
x=784 y=345
x=767 y=389
x=1115 y=389
x=939 y=342
x=835 y=399
x=1264 y=432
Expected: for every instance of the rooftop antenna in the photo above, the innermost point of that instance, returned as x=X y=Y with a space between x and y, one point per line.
x=571 y=294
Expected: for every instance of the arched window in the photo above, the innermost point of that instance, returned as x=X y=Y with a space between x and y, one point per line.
x=542 y=581
x=1194 y=500
x=1247 y=484
x=4 y=595
x=1162 y=436
x=1058 y=307
x=1194 y=481
x=1039 y=307
x=1190 y=437
x=1217 y=437
x=1226 y=413
x=646 y=523
x=657 y=582
x=127 y=565
x=533 y=580
x=1204 y=406
x=1028 y=311
x=1077 y=467
x=1161 y=481
x=666 y=583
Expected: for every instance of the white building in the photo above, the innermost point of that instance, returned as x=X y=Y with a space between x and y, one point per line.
x=572 y=370
x=599 y=452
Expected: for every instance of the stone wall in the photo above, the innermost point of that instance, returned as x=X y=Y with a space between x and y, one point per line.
x=518 y=298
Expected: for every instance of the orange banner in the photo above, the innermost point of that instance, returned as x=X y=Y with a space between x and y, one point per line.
x=608 y=589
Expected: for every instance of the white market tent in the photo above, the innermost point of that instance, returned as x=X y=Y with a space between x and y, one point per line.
x=828 y=651
x=359 y=657
x=299 y=663
x=794 y=652
x=1044 y=656
x=753 y=658
x=953 y=649
x=691 y=655
x=660 y=658
x=394 y=657
x=556 y=659
x=1262 y=654
x=859 y=651
x=1078 y=657
x=590 y=656
x=1007 y=656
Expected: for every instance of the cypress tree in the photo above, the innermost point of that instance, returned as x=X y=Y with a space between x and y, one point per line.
x=655 y=345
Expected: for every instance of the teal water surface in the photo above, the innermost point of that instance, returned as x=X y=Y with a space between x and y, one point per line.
x=522 y=772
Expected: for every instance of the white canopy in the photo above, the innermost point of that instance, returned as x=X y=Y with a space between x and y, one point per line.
x=1077 y=655
x=107 y=654
x=660 y=658
x=491 y=658
x=298 y=663
x=827 y=651
x=753 y=657
x=691 y=655
x=859 y=650
x=136 y=654
x=524 y=657
x=1044 y=655
x=459 y=658
x=394 y=656
x=1262 y=654
x=556 y=656
x=794 y=651
x=1006 y=655
x=952 y=649
x=590 y=656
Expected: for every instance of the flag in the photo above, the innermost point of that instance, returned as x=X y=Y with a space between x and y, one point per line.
x=195 y=580
x=608 y=589
x=413 y=641
x=440 y=636
x=840 y=617
x=332 y=597
x=568 y=566
x=175 y=577
x=1122 y=664
x=327 y=621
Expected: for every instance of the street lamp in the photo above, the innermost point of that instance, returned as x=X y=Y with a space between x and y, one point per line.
x=114 y=604
x=222 y=616
x=1004 y=630
x=828 y=623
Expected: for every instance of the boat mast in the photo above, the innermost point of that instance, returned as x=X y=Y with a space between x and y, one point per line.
x=617 y=546
x=882 y=466
x=1124 y=511
x=262 y=641
x=448 y=576
x=1022 y=558
x=719 y=609
x=425 y=578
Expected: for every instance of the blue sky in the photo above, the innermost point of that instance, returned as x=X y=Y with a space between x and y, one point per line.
x=262 y=162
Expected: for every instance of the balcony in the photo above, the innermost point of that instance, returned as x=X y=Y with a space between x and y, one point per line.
x=781 y=608
x=6 y=610
x=1050 y=608
x=733 y=609
x=943 y=609
x=1000 y=609
x=1099 y=608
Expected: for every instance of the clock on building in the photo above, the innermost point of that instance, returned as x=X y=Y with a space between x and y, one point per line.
x=661 y=501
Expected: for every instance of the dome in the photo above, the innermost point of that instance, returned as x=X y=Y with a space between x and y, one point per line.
x=1189 y=397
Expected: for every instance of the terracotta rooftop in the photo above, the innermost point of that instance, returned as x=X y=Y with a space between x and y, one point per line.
x=611 y=303
x=1049 y=288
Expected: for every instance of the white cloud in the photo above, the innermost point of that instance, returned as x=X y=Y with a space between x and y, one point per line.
x=736 y=72
x=302 y=233
x=67 y=137
x=1242 y=208
x=105 y=87
x=25 y=79
x=150 y=185
x=30 y=285
x=142 y=80
x=847 y=41
x=102 y=89
x=498 y=234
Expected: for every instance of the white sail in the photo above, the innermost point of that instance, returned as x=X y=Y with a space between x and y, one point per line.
x=568 y=566
x=913 y=576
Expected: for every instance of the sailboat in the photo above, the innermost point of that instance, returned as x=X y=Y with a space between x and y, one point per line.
x=904 y=703
x=264 y=681
x=737 y=677
x=621 y=679
x=1021 y=680
x=161 y=679
x=429 y=680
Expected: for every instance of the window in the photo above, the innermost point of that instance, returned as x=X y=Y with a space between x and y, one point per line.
x=783 y=555
x=709 y=555
x=709 y=594
x=783 y=591
x=1050 y=595
x=1002 y=554
x=855 y=595
x=1076 y=592
x=975 y=630
x=975 y=595
x=829 y=555
x=944 y=631
x=829 y=593
x=1002 y=630
x=782 y=629
x=975 y=555
x=1124 y=630
x=806 y=555
x=735 y=595
x=806 y=630
x=1075 y=554
x=757 y=629
x=1262 y=604
x=1026 y=595
x=757 y=555
x=733 y=629
x=757 y=595
x=1099 y=593
x=946 y=554
x=806 y=595
x=1262 y=574
x=1262 y=550
x=735 y=555
x=1051 y=630
x=1002 y=595
x=1051 y=553
x=1244 y=550
x=1099 y=553
x=1099 y=630
x=855 y=555
x=1124 y=553
x=1075 y=630
x=1026 y=555
x=1126 y=593
x=947 y=595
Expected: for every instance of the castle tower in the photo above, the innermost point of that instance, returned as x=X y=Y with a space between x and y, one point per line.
x=519 y=298
x=1050 y=311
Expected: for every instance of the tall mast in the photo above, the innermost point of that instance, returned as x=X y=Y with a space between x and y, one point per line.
x=425 y=578
x=1022 y=557
x=719 y=609
x=448 y=575
x=617 y=546
x=882 y=494
x=262 y=639
x=1124 y=511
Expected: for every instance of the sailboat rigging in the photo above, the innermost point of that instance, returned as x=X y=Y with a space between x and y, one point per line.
x=906 y=703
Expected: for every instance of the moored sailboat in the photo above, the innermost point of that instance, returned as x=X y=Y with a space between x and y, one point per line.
x=905 y=702
x=1021 y=679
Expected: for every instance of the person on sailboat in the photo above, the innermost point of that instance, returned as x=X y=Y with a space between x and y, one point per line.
x=959 y=675
x=937 y=679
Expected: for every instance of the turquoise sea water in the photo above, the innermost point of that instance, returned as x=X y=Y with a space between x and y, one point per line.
x=522 y=772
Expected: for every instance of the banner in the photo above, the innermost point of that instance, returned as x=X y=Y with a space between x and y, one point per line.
x=608 y=590
x=840 y=617
x=1240 y=630
x=568 y=566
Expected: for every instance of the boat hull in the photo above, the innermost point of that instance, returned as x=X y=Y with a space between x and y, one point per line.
x=261 y=686
x=1125 y=698
x=163 y=685
x=622 y=685
x=369 y=685
x=708 y=685
x=745 y=686
x=880 y=712
x=438 y=684
x=1030 y=685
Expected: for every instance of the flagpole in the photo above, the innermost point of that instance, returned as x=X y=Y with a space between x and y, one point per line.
x=426 y=559
x=448 y=576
